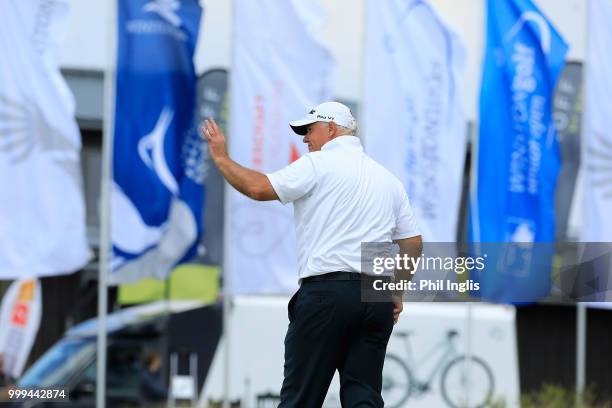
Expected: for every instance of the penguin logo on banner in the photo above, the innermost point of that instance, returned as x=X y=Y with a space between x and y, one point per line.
x=151 y=150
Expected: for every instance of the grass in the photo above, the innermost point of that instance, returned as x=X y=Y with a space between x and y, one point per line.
x=554 y=396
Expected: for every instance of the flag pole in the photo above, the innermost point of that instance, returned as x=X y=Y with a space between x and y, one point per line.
x=581 y=308
x=105 y=210
x=581 y=322
x=364 y=48
x=227 y=241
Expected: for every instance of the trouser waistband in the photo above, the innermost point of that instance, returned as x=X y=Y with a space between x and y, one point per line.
x=341 y=276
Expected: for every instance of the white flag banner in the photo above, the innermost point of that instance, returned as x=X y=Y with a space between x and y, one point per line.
x=280 y=71
x=597 y=145
x=20 y=313
x=42 y=210
x=413 y=118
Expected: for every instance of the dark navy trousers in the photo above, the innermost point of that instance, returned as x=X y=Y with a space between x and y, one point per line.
x=331 y=329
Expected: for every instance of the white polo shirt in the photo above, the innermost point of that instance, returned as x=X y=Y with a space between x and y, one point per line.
x=341 y=198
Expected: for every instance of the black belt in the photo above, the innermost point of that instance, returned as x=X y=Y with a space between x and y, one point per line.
x=338 y=276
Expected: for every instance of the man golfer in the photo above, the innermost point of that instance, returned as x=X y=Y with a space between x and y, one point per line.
x=341 y=198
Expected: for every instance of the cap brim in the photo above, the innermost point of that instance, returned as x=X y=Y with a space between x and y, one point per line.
x=301 y=126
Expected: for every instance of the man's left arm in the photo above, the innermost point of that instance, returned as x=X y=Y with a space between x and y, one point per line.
x=412 y=248
x=249 y=182
x=408 y=236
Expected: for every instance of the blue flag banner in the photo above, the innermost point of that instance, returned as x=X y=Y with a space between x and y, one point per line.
x=518 y=152
x=158 y=189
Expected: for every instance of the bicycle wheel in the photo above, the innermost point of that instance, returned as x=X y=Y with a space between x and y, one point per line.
x=397 y=381
x=456 y=384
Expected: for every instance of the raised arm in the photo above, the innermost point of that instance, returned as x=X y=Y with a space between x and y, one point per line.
x=249 y=182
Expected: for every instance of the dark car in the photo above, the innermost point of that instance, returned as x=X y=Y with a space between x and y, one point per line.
x=182 y=328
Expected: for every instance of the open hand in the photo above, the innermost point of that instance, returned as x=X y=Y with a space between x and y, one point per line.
x=217 y=147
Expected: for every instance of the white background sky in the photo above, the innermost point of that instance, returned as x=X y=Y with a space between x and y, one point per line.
x=85 y=43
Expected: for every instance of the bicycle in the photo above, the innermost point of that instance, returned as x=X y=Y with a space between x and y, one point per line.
x=400 y=382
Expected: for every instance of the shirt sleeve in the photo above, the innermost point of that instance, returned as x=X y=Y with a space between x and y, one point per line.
x=405 y=224
x=295 y=180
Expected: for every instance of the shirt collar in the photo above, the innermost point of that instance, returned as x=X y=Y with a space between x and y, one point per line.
x=343 y=141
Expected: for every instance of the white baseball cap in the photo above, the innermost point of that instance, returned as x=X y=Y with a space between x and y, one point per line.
x=326 y=112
